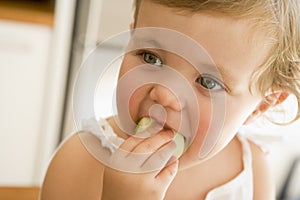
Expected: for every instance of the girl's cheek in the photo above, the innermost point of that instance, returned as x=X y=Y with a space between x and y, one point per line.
x=205 y=123
x=136 y=101
x=133 y=107
x=129 y=61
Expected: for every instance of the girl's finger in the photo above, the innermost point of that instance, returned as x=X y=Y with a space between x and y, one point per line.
x=168 y=173
x=130 y=143
x=153 y=143
x=159 y=159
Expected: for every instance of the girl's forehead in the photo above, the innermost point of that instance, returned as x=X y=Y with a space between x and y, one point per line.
x=235 y=46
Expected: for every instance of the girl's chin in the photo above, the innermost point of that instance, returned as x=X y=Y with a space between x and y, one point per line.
x=191 y=159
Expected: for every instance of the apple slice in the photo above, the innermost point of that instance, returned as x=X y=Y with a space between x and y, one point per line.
x=146 y=122
x=179 y=141
x=143 y=124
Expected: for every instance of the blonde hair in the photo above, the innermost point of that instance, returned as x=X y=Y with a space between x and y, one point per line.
x=281 y=20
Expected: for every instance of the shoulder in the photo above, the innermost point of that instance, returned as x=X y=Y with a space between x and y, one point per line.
x=72 y=173
x=262 y=177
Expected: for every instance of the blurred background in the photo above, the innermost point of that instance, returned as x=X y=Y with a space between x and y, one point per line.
x=42 y=45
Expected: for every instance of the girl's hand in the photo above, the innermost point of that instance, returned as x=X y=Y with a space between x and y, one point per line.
x=151 y=168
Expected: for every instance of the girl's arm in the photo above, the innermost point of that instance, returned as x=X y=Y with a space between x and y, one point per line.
x=73 y=174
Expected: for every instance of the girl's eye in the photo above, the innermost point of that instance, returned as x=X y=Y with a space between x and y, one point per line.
x=152 y=59
x=209 y=83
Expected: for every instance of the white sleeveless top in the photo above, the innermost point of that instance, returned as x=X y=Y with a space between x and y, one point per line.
x=239 y=188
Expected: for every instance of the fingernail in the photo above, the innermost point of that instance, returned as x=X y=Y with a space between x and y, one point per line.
x=170 y=132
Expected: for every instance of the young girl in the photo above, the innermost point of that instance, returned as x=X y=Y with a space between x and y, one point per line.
x=167 y=76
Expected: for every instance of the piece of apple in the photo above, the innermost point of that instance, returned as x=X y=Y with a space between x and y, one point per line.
x=143 y=124
x=146 y=122
x=179 y=141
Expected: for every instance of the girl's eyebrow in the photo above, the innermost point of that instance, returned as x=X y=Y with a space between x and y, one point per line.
x=140 y=41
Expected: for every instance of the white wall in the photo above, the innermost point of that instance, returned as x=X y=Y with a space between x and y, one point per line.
x=24 y=50
x=33 y=73
x=115 y=17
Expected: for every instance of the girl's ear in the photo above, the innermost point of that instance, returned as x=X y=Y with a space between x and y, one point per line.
x=271 y=100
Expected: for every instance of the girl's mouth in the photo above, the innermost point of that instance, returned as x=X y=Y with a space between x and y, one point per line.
x=179 y=139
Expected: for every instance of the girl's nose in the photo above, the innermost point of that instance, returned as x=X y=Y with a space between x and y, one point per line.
x=166 y=98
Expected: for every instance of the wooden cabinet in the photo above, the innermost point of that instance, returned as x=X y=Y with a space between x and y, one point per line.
x=28 y=11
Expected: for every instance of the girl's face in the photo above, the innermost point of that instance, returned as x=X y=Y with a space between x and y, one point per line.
x=181 y=94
